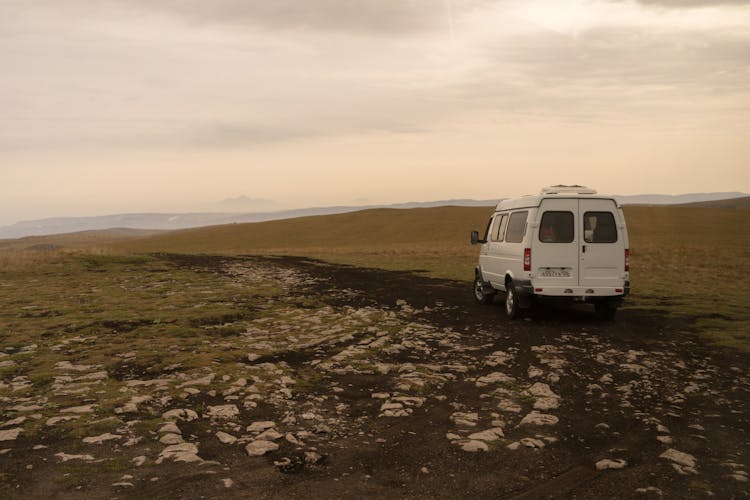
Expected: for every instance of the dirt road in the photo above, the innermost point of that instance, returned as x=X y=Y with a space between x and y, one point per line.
x=364 y=383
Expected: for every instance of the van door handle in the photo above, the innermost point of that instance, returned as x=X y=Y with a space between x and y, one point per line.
x=584 y=248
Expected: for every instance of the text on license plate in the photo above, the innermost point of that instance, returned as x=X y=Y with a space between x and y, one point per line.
x=555 y=273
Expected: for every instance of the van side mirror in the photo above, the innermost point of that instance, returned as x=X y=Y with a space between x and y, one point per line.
x=474 y=237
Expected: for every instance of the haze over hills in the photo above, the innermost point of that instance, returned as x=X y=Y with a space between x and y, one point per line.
x=171 y=221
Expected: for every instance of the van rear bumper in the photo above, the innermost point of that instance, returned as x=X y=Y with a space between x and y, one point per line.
x=580 y=291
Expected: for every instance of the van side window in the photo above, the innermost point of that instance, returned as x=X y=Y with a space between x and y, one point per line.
x=493 y=229
x=556 y=227
x=516 y=227
x=599 y=227
x=486 y=236
x=499 y=228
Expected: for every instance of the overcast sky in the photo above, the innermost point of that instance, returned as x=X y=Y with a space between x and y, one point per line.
x=169 y=105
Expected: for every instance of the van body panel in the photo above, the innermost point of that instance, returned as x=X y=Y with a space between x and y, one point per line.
x=498 y=258
x=554 y=247
x=602 y=262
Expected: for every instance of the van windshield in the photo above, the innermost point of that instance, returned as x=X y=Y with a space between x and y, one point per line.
x=599 y=227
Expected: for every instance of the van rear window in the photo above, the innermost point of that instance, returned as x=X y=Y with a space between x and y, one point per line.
x=516 y=227
x=556 y=227
x=599 y=227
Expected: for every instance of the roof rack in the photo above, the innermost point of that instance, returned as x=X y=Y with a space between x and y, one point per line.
x=563 y=189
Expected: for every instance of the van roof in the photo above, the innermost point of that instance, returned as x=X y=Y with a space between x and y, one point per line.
x=552 y=192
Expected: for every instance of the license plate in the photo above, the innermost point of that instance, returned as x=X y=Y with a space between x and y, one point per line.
x=555 y=273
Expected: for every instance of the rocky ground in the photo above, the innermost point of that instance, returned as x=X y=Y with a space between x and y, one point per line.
x=347 y=382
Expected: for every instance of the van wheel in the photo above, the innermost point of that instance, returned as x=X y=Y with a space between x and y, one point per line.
x=479 y=291
x=511 y=301
x=605 y=311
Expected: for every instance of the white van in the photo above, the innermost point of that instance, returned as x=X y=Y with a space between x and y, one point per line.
x=567 y=243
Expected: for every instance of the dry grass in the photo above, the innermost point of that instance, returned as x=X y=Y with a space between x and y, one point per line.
x=687 y=261
x=434 y=240
x=693 y=262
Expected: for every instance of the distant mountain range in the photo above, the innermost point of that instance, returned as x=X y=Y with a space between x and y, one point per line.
x=168 y=221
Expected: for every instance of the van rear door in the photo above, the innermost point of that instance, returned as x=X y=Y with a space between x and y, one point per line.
x=602 y=244
x=554 y=256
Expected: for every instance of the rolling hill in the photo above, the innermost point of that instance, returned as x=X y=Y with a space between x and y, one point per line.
x=171 y=221
x=736 y=203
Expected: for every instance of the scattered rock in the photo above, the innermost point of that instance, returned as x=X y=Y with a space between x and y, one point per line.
x=56 y=420
x=15 y=421
x=269 y=435
x=10 y=434
x=223 y=411
x=650 y=489
x=680 y=458
x=489 y=435
x=226 y=438
x=474 y=446
x=465 y=419
x=546 y=404
x=64 y=457
x=509 y=406
x=68 y=366
x=199 y=381
x=79 y=409
x=610 y=464
x=494 y=378
x=541 y=390
x=132 y=405
x=532 y=442
x=184 y=414
x=183 y=452
x=170 y=427
x=534 y=372
x=313 y=457
x=259 y=448
x=170 y=439
x=391 y=406
x=536 y=418
x=292 y=439
x=101 y=438
x=260 y=426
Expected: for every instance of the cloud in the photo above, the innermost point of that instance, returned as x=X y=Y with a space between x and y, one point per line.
x=360 y=16
x=691 y=3
x=611 y=75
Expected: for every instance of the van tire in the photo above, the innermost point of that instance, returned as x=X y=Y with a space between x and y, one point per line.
x=605 y=310
x=511 y=301
x=480 y=293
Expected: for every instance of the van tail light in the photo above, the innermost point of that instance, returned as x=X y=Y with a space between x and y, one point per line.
x=627 y=259
x=527 y=259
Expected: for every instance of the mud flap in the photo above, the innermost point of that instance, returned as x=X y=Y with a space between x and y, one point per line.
x=524 y=293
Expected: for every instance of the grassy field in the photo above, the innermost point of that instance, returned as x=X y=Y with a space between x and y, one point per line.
x=688 y=261
x=434 y=240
